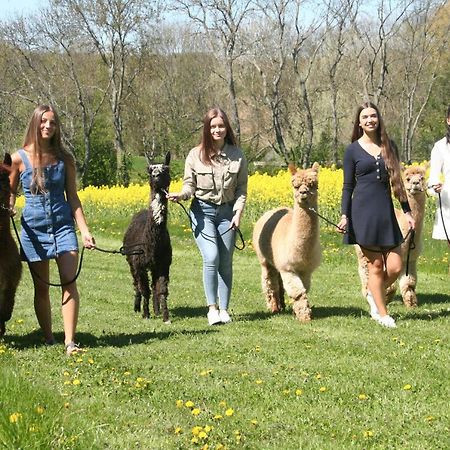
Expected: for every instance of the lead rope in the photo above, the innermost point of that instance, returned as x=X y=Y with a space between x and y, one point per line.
x=194 y=227
x=121 y=251
x=410 y=234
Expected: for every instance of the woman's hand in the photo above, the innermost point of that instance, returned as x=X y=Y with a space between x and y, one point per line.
x=88 y=240
x=12 y=211
x=173 y=196
x=342 y=225
x=236 y=220
x=410 y=220
x=437 y=188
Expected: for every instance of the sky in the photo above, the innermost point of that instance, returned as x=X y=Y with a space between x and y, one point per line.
x=10 y=8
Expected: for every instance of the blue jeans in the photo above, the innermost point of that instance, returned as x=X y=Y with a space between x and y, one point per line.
x=210 y=224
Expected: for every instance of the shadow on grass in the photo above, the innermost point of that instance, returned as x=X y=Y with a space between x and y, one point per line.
x=188 y=311
x=435 y=299
x=34 y=339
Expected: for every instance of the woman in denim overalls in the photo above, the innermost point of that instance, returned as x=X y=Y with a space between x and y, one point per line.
x=47 y=174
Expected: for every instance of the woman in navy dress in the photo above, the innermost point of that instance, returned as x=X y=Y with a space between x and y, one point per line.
x=48 y=177
x=371 y=170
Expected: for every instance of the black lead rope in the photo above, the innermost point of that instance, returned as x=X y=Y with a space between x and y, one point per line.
x=121 y=251
x=194 y=227
x=442 y=218
x=411 y=233
x=48 y=283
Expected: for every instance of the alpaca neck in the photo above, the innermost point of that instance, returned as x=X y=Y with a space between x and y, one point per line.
x=5 y=231
x=158 y=208
x=417 y=204
x=305 y=222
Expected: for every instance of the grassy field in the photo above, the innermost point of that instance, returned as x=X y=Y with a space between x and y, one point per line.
x=261 y=382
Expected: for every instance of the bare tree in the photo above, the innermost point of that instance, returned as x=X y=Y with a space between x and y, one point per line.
x=421 y=44
x=221 y=20
x=115 y=29
x=371 y=42
x=339 y=15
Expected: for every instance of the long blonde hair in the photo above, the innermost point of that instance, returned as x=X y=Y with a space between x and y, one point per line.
x=32 y=141
x=389 y=151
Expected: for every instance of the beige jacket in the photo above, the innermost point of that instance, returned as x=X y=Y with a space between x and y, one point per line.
x=222 y=182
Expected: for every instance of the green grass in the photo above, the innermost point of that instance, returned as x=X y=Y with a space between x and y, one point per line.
x=269 y=370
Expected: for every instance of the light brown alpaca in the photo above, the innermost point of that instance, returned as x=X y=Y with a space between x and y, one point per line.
x=287 y=244
x=414 y=180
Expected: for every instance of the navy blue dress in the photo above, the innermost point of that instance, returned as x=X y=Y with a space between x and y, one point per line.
x=367 y=201
x=47 y=223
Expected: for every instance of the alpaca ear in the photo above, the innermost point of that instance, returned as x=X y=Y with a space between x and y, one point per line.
x=7 y=160
x=149 y=156
x=167 y=159
x=292 y=168
x=316 y=166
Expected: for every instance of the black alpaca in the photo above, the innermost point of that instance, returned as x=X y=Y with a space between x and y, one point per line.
x=149 y=227
x=10 y=265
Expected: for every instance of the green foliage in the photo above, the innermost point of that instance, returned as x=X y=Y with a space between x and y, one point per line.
x=263 y=381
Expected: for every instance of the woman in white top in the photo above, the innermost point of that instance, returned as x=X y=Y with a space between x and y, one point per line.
x=440 y=165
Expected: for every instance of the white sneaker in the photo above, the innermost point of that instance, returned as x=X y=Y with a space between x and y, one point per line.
x=373 y=307
x=213 y=317
x=224 y=316
x=387 y=321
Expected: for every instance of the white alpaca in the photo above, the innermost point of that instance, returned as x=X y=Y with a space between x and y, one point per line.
x=287 y=244
x=414 y=180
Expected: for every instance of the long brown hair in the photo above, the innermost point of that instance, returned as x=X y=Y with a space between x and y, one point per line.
x=32 y=140
x=207 y=148
x=389 y=151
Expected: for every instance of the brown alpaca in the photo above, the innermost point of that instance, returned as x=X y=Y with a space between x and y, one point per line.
x=10 y=265
x=287 y=244
x=414 y=180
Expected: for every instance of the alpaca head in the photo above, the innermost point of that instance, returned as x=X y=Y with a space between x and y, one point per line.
x=159 y=174
x=414 y=180
x=5 y=170
x=305 y=183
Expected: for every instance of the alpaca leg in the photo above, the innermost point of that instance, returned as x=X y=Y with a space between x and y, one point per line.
x=137 y=300
x=296 y=288
x=162 y=289
x=155 y=296
x=271 y=288
x=282 y=303
x=6 y=307
x=390 y=292
x=408 y=286
x=144 y=289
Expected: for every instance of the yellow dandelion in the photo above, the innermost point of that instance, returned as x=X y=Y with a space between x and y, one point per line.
x=205 y=447
x=229 y=412
x=244 y=374
x=33 y=429
x=407 y=387
x=67 y=382
x=19 y=321
x=66 y=405
x=257 y=348
x=286 y=391
x=202 y=434
x=207 y=428
x=76 y=382
x=254 y=422
x=179 y=403
x=90 y=361
x=40 y=409
x=194 y=440
x=196 y=411
x=66 y=374
x=15 y=417
x=140 y=379
x=178 y=430
x=223 y=403
x=218 y=417
x=323 y=389
x=259 y=381
x=189 y=404
x=298 y=392
x=368 y=433
x=196 y=430
x=362 y=396
x=429 y=418
x=318 y=376
x=127 y=373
